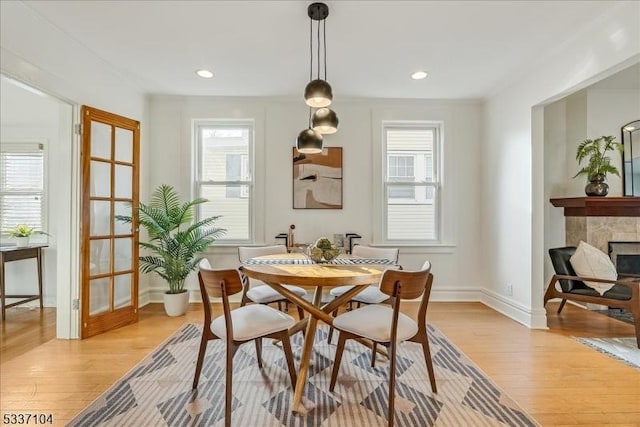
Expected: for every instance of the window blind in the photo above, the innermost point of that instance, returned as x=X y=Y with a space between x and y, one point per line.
x=21 y=185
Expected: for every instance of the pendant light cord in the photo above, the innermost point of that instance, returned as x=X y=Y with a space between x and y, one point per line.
x=324 y=36
x=310 y=49
x=310 y=61
x=318 y=57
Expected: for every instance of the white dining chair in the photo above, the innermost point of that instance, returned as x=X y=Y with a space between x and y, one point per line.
x=257 y=291
x=384 y=324
x=371 y=294
x=238 y=326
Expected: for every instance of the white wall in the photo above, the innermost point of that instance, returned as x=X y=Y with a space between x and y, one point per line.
x=28 y=117
x=555 y=174
x=513 y=213
x=607 y=111
x=49 y=59
x=456 y=266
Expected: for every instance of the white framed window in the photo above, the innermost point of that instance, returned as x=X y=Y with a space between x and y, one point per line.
x=22 y=180
x=223 y=175
x=411 y=182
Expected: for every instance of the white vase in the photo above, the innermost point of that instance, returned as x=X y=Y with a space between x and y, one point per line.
x=176 y=304
x=22 y=242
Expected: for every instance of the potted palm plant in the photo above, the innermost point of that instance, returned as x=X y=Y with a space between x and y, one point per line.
x=175 y=241
x=598 y=163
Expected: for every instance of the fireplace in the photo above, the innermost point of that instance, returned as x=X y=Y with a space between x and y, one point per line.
x=625 y=256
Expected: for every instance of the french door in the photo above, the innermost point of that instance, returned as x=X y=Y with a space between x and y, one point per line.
x=109 y=248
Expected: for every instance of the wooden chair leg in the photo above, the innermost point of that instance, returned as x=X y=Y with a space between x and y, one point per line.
x=427 y=358
x=564 y=301
x=373 y=354
x=203 y=349
x=636 y=318
x=300 y=313
x=288 y=354
x=334 y=314
x=336 y=364
x=258 y=342
x=231 y=351
x=245 y=300
x=280 y=305
x=392 y=382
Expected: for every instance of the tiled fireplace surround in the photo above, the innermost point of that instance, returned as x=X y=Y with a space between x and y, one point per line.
x=612 y=235
x=601 y=220
x=598 y=231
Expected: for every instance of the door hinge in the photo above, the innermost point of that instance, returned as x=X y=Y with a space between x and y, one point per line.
x=75 y=305
x=78 y=129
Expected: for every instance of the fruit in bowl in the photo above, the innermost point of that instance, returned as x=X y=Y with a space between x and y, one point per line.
x=323 y=250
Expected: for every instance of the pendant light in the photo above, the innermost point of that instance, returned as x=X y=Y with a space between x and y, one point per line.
x=309 y=141
x=318 y=93
x=325 y=121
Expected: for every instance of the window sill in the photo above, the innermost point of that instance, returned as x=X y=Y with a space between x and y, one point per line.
x=412 y=248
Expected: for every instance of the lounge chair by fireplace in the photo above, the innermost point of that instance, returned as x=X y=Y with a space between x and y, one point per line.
x=624 y=294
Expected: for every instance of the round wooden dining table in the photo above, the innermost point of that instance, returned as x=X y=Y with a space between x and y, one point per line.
x=297 y=269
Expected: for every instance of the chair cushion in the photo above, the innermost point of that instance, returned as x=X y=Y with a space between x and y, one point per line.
x=252 y=321
x=617 y=292
x=560 y=260
x=265 y=294
x=374 y=322
x=370 y=295
x=336 y=292
x=589 y=261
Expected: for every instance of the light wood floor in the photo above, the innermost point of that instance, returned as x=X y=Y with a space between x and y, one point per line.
x=553 y=377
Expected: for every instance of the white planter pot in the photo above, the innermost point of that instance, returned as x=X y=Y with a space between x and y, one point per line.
x=22 y=242
x=176 y=304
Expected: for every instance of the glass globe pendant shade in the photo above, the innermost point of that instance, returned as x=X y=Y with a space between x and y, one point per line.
x=309 y=142
x=325 y=121
x=318 y=94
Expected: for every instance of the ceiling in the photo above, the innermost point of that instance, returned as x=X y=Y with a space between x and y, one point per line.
x=261 y=48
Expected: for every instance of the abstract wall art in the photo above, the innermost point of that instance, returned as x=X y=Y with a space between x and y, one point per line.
x=317 y=179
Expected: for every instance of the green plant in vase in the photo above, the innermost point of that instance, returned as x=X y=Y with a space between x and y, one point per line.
x=175 y=240
x=22 y=233
x=598 y=163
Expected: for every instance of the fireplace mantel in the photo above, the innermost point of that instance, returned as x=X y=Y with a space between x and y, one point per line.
x=599 y=206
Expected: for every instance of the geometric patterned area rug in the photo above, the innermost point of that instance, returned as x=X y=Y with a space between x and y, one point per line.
x=157 y=391
x=624 y=349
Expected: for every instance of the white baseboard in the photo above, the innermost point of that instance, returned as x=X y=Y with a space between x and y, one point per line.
x=455 y=295
x=533 y=319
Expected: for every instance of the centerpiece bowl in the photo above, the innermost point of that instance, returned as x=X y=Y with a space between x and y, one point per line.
x=322 y=251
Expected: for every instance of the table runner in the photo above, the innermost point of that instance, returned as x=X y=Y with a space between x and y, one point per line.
x=336 y=261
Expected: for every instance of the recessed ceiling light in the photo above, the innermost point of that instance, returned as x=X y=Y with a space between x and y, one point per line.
x=205 y=74
x=419 y=75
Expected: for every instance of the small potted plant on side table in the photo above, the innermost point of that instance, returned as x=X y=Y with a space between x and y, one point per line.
x=174 y=242
x=598 y=164
x=22 y=233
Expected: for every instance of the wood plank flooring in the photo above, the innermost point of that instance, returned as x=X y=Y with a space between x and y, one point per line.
x=557 y=380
